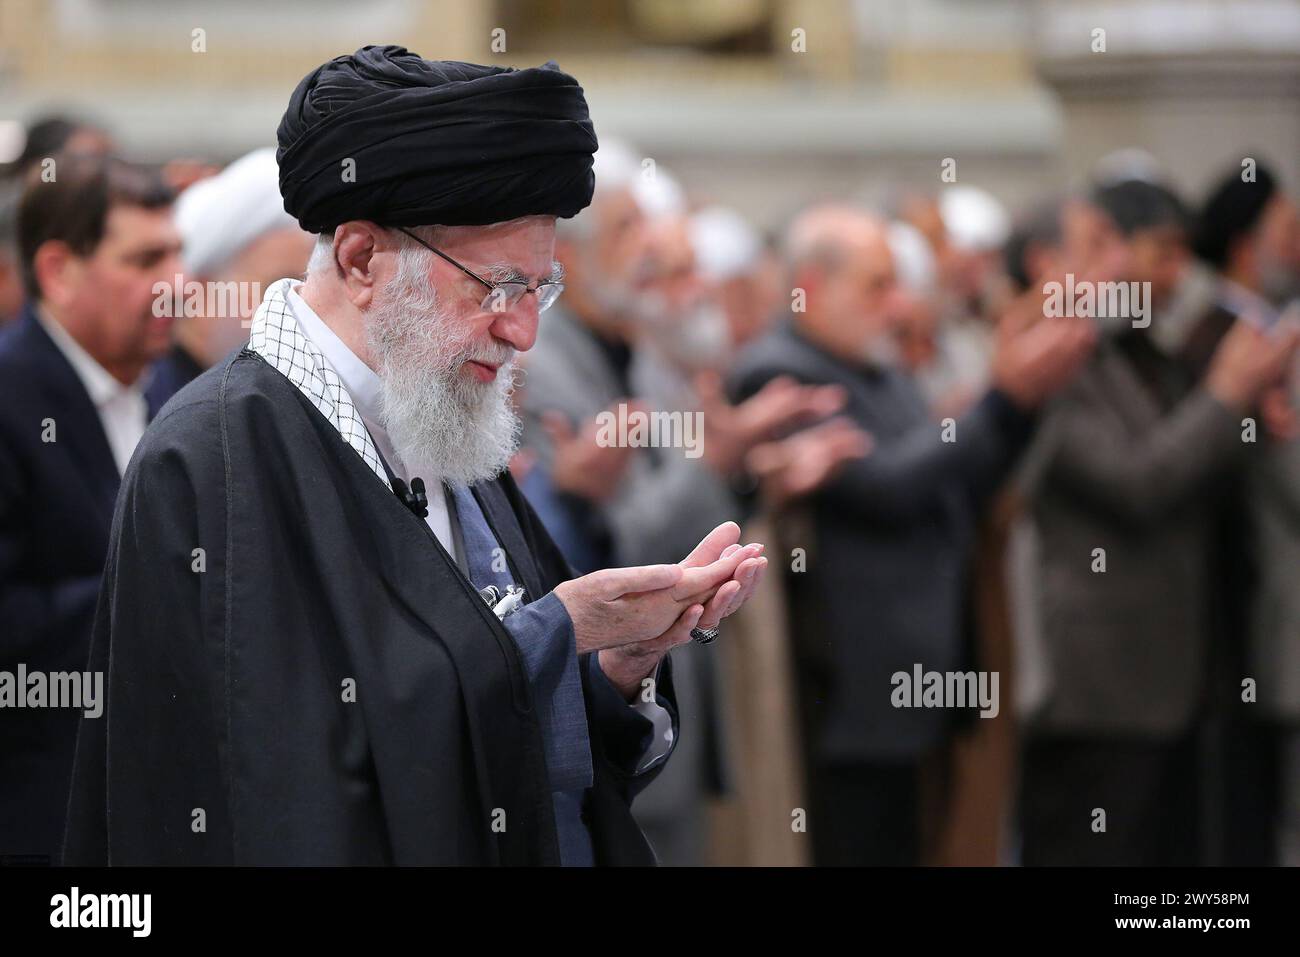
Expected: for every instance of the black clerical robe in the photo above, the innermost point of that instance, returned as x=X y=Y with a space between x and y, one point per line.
x=298 y=673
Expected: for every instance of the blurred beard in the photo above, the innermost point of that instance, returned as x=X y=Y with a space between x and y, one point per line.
x=883 y=351
x=693 y=336
x=445 y=425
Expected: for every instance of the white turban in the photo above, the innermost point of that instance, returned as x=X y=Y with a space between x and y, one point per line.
x=220 y=216
x=658 y=193
x=615 y=164
x=973 y=219
x=913 y=257
x=724 y=243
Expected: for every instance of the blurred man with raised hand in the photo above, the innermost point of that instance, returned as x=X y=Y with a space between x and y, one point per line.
x=630 y=281
x=629 y=266
x=1135 y=478
x=324 y=522
x=971 y=284
x=683 y=347
x=237 y=241
x=1250 y=236
x=887 y=565
x=93 y=241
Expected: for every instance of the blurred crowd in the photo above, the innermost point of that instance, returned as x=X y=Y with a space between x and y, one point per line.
x=1099 y=505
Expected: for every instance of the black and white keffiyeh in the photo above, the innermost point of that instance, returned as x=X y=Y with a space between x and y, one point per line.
x=277 y=338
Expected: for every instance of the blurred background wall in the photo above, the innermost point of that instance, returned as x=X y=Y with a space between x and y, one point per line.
x=761 y=104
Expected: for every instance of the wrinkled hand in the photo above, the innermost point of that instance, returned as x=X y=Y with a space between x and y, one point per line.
x=619 y=606
x=801 y=463
x=732 y=430
x=627 y=665
x=580 y=465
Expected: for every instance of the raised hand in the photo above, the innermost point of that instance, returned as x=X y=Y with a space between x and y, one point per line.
x=732 y=430
x=789 y=468
x=620 y=606
x=1248 y=361
x=627 y=665
x=1032 y=361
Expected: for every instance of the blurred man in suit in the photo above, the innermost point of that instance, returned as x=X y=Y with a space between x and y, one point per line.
x=1250 y=236
x=887 y=564
x=93 y=242
x=1137 y=459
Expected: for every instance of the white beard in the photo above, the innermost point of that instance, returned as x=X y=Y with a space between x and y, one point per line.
x=445 y=426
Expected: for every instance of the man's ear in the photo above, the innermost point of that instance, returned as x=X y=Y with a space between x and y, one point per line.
x=57 y=269
x=356 y=244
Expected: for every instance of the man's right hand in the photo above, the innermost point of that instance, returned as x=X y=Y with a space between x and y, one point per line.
x=619 y=606
x=731 y=431
x=792 y=467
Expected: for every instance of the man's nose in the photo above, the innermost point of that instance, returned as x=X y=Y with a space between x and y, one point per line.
x=517 y=325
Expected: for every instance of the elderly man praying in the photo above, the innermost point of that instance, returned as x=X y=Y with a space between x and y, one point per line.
x=333 y=630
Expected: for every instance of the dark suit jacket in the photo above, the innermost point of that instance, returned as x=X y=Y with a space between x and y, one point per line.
x=888 y=558
x=56 y=506
x=1139 y=461
x=170 y=374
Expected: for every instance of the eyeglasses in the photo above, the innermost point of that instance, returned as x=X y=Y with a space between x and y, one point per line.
x=500 y=295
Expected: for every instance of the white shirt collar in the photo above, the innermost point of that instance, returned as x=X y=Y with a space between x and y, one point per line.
x=363 y=386
x=358 y=378
x=100 y=384
x=361 y=382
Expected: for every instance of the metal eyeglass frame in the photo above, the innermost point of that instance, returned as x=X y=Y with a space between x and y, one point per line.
x=546 y=291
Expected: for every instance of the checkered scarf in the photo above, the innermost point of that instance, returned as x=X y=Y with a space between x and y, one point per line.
x=277 y=338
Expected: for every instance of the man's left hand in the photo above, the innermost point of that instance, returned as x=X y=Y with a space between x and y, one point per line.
x=628 y=665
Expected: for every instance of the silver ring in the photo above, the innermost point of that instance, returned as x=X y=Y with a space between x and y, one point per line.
x=703 y=635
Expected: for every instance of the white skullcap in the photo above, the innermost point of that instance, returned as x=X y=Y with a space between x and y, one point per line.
x=973 y=219
x=724 y=243
x=658 y=193
x=913 y=257
x=615 y=164
x=219 y=216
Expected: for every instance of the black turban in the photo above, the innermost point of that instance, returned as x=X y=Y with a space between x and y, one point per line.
x=434 y=142
x=1232 y=211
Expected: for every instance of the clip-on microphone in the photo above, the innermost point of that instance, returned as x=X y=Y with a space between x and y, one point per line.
x=413 y=498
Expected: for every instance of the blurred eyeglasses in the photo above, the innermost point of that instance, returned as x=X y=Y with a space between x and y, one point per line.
x=500 y=295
